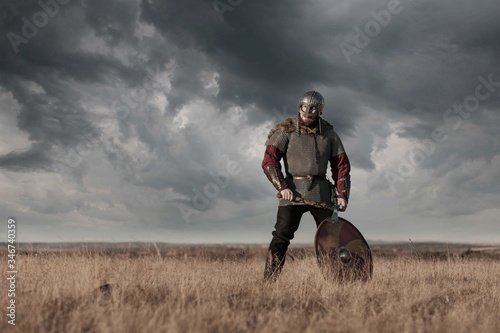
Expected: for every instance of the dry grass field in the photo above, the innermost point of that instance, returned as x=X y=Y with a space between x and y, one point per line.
x=217 y=291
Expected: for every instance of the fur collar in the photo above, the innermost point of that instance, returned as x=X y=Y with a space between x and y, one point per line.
x=290 y=124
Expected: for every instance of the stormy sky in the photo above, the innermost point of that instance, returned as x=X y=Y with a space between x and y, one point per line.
x=146 y=120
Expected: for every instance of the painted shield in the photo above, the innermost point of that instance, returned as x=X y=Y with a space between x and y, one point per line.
x=342 y=251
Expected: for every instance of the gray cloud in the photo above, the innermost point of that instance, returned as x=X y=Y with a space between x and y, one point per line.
x=218 y=82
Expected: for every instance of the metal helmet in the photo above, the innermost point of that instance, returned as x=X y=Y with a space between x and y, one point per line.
x=311 y=99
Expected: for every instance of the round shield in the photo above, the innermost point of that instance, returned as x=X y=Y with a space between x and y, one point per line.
x=342 y=251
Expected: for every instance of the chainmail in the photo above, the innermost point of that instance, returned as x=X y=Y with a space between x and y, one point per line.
x=307 y=155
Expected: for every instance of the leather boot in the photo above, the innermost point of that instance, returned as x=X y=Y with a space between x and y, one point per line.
x=274 y=264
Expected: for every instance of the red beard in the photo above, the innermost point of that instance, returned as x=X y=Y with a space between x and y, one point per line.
x=309 y=122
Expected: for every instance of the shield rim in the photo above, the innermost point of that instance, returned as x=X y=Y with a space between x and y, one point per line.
x=352 y=225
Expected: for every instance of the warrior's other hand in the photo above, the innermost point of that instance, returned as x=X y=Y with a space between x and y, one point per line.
x=342 y=204
x=287 y=194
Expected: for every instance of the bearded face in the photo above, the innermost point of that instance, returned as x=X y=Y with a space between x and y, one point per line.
x=311 y=118
x=309 y=122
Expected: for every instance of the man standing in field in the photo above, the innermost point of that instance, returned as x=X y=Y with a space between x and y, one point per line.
x=306 y=143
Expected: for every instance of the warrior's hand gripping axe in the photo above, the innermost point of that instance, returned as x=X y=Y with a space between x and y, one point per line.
x=341 y=250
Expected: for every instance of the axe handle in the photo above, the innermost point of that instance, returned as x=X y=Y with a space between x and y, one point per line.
x=310 y=203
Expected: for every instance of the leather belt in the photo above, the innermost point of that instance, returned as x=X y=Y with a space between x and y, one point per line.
x=310 y=178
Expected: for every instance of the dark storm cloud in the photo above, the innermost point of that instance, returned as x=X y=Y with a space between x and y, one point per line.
x=254 y=58
x=266 y=55
x=112 y=20
x=28 y=161
x=433 y=66
x=39 y=60
x=54 y=48
x=424 y=61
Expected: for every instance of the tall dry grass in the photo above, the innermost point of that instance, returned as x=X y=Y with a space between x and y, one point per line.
x=151 y=293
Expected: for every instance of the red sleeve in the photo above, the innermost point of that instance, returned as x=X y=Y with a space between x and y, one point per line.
x=272 y=157
x=340 y=169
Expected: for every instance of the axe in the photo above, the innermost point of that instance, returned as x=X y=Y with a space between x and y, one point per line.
x=323 y=205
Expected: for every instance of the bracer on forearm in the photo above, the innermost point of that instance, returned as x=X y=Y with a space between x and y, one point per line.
x=344 y=187
x=275 y=177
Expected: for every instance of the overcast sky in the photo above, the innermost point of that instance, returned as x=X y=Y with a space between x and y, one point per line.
x=146 y=120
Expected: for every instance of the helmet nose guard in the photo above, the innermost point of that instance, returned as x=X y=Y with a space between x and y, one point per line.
x=310 y=100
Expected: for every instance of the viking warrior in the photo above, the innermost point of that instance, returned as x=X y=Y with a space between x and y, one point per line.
x=306 y=143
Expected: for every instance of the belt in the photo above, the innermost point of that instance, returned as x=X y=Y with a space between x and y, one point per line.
x=310 y=178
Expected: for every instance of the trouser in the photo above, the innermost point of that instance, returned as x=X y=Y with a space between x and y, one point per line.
x=287 y=223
